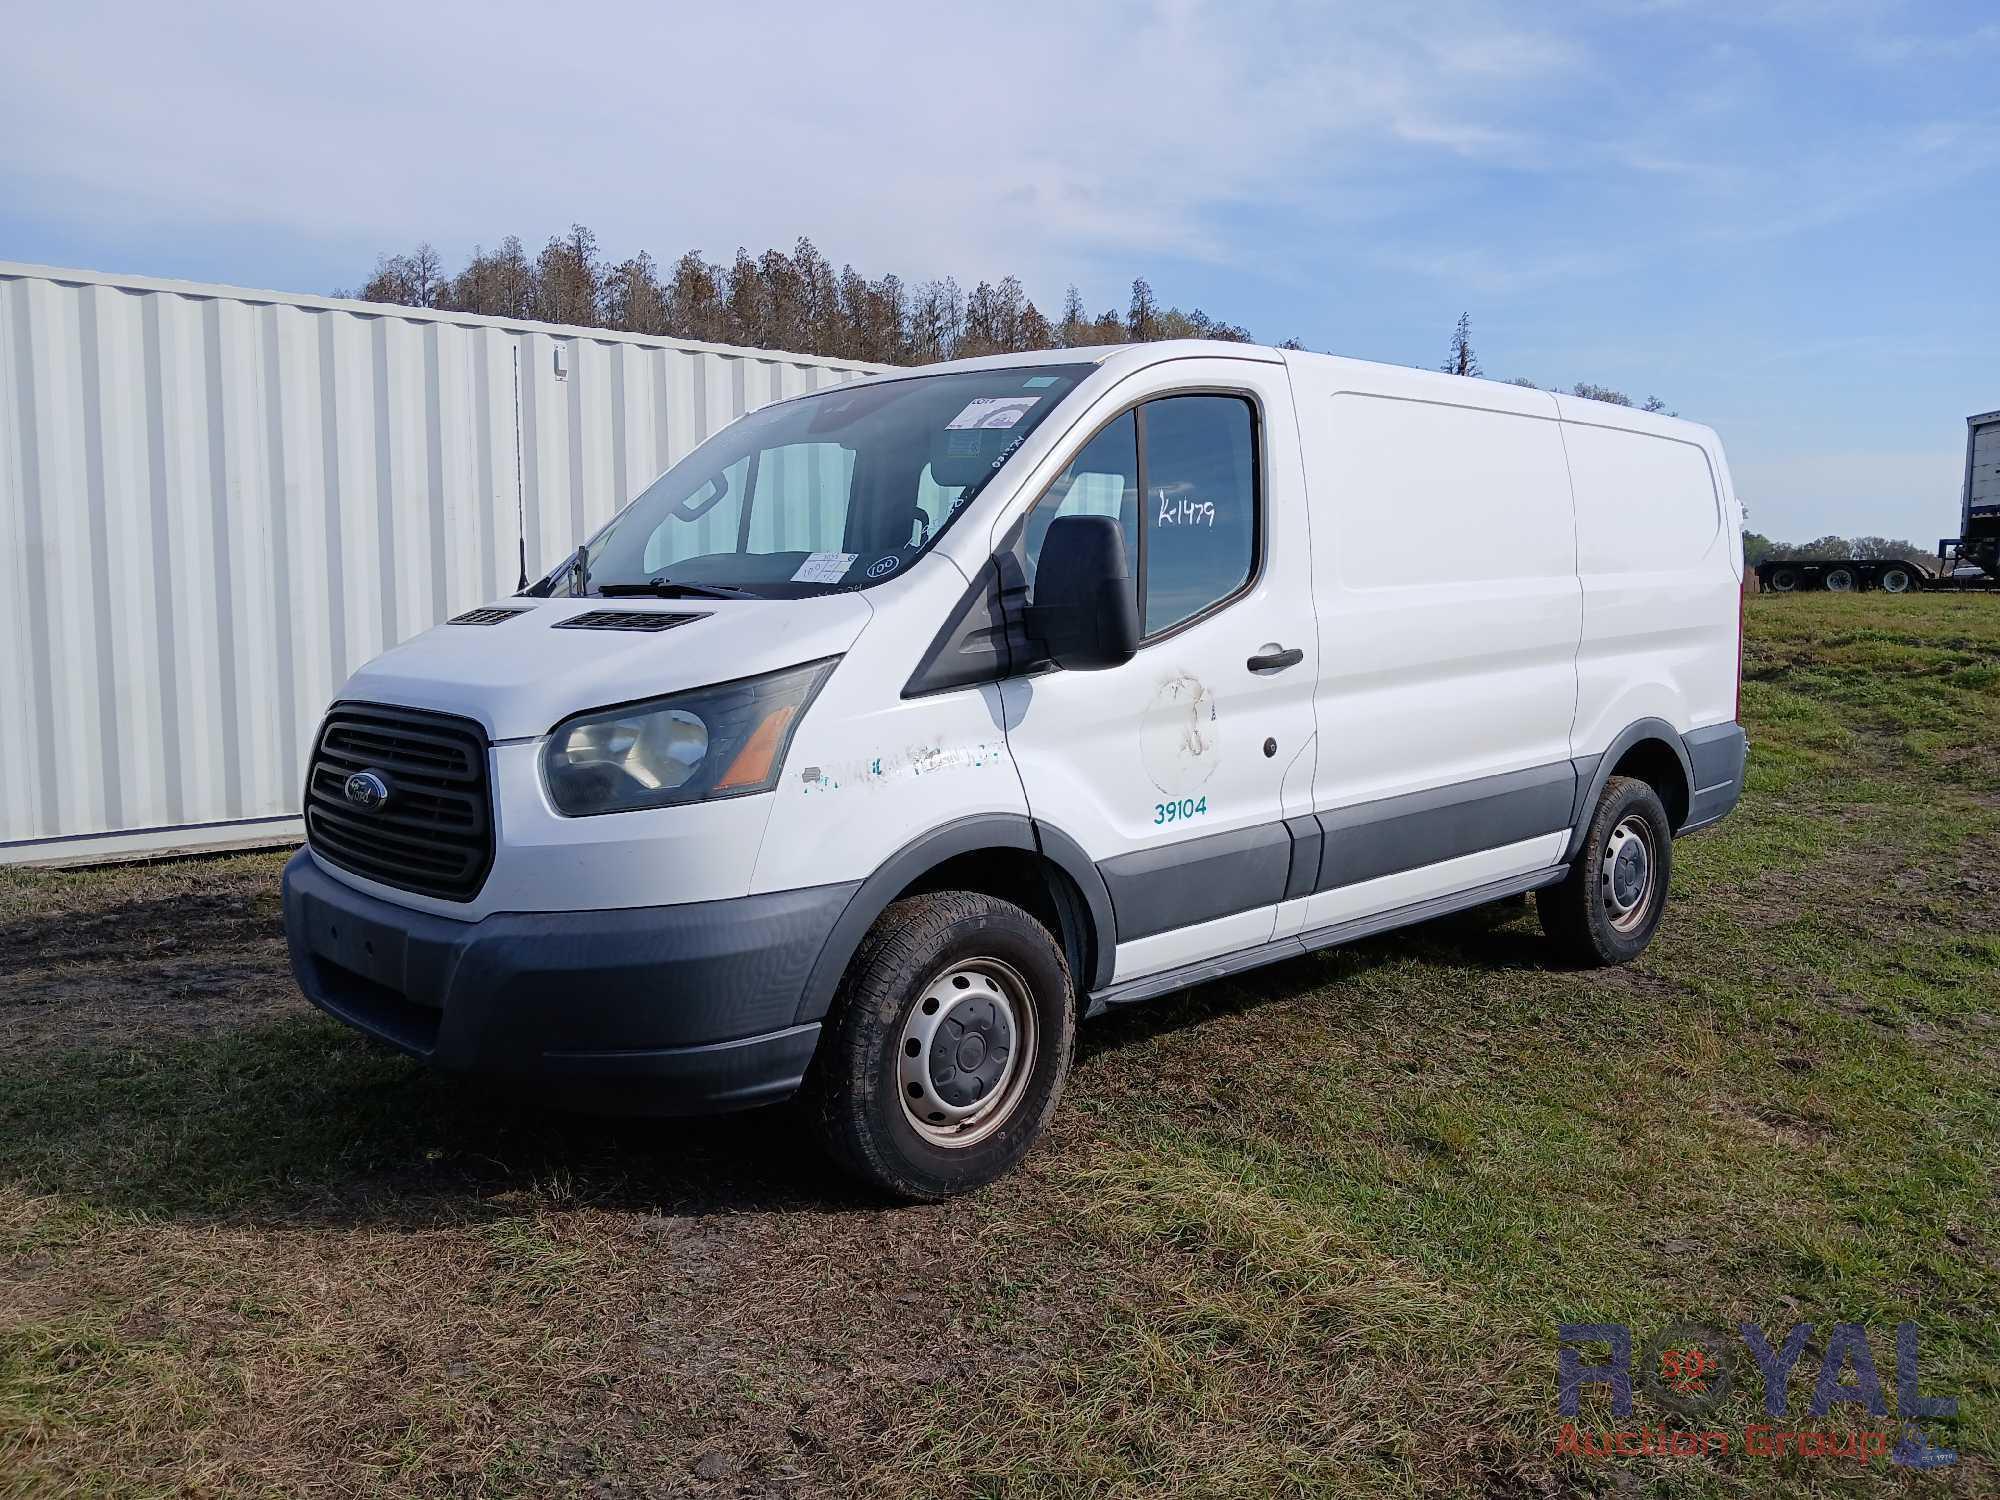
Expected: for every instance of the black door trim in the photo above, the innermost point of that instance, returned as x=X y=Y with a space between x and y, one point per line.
x=1198 y=880
x=1394 y=834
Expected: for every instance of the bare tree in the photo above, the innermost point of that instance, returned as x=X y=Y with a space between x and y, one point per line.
x=743 y=301
x=937 y=314
x=499 y=285
x=1073 y=330
x=694 y=301
x=568 y=279
x=1143 y=316
x=1461 y=360
x=1591 y=392
x=413 y=280
x=633 y=298
x=787 y=317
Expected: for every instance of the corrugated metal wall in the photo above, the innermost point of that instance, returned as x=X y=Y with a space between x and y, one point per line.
x=214 y=504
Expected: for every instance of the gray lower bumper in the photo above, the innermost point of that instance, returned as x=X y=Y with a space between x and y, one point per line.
x=652 y=1010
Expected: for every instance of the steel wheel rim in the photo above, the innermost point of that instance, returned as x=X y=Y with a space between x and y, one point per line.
x=1840 y=581
x=953 y=1091
x=1896 y=581
x=1784 y=582
x=1628 y=873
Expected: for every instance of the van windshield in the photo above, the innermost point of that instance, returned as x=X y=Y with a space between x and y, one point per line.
x=837 y=490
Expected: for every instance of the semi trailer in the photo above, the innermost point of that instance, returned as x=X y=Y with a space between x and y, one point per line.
x=1977 y=544
x=1970 y=560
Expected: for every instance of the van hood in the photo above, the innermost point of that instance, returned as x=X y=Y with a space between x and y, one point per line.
x=525 y=673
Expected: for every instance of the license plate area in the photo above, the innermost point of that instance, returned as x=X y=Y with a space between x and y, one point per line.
x=370 y=950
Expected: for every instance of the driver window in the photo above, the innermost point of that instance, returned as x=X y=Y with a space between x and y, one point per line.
x=1102 y=481
x=1200 y=516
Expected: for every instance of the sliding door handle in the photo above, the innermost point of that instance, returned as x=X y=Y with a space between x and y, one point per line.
x=1275 y=659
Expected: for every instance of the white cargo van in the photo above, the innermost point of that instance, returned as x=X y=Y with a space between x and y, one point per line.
x=903 y=725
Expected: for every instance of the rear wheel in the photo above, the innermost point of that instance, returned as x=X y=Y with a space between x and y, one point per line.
x=1609 y=907
x=1896 y=580
x=948 y=1047
x=1784 y=580
x=1840 y=580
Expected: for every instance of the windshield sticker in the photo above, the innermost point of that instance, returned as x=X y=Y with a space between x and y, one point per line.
x=883 y=567
x=1036 y=382
x=961 y=444
x=993 y=411
x=825 y=567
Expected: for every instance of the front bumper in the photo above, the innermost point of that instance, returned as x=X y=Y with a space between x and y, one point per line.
x=681 y=1009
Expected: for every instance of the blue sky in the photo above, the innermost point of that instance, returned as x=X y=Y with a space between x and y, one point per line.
x=1782 y=217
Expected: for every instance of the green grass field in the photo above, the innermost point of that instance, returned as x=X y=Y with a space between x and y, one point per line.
x=1306 y=1232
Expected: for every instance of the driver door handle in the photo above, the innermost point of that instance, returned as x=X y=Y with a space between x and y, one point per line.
x=1276 y=661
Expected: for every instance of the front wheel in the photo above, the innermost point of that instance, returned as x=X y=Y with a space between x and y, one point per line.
x=1609 y=907
x=948 y=1048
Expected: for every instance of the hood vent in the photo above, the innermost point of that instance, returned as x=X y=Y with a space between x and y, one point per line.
x=493 y=615
x=627 y=619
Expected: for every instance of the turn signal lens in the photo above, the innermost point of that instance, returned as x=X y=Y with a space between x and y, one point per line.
x=755 y=764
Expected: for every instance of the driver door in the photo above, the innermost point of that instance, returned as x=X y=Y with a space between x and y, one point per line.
x=1176 y=771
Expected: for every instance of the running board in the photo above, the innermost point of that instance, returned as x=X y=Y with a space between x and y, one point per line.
x=1151 y=986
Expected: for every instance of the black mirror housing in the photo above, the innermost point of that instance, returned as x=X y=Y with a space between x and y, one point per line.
x=1086 y=612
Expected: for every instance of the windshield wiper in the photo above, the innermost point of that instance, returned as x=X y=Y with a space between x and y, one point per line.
x=668 y=588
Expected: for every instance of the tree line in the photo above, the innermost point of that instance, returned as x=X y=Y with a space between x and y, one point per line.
x=1759 y=548
x=799 y=303
x=793 y=301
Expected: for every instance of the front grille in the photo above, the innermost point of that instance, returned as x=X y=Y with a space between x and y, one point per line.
x=626 y=619
x=492 y=614
x=434 y=832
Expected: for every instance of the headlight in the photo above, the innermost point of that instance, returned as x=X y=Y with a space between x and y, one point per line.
x=723 y=741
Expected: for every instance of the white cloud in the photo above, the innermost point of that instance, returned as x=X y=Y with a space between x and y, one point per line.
x=919 y=137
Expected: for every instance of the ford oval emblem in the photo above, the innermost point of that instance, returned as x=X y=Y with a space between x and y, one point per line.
x=367 y=791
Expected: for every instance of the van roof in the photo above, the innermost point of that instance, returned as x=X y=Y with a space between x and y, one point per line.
x=1364 y=374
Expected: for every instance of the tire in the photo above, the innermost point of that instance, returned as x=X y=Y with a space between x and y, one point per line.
x=1897 y=580
x=1784 y=580
x=1840 y=580
x=1608 y=908
x=948 y=1047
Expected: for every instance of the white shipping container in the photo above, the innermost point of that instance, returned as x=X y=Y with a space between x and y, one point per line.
x=215 y=503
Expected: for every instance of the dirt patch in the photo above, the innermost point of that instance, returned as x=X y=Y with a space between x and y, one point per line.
x=141 y=954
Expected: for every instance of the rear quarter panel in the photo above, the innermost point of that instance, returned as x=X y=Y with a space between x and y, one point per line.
x=1659 y=559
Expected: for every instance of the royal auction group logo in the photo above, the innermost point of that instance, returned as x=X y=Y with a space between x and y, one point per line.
x=1688 y=1371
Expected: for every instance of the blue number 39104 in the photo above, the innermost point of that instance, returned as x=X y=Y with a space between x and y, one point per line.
x=1174 y=812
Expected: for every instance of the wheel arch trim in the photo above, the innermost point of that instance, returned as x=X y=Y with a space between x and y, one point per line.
x=1592 y=772
x=926 y=852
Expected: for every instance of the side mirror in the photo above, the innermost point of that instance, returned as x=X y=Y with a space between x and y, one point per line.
x=1086 y=613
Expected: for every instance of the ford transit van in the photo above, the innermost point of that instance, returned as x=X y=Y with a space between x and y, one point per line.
x=905 y=725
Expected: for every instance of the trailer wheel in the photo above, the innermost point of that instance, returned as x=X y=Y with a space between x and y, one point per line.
x=1840 y=580
x=1784 y=580
x=1607 y=909
x=1896 y=580
x=948 y=1047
